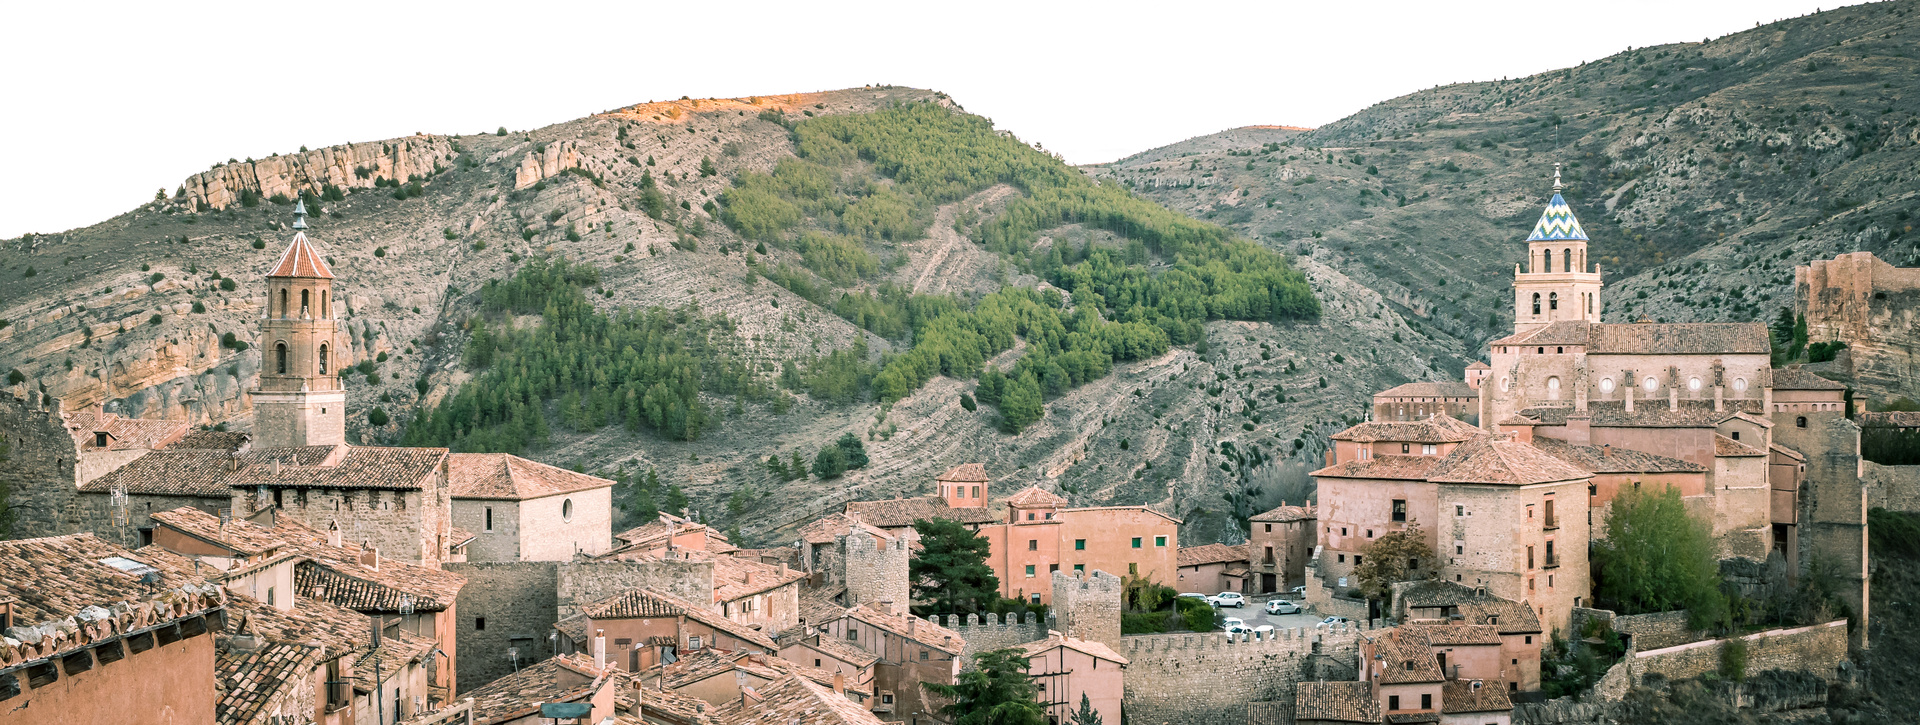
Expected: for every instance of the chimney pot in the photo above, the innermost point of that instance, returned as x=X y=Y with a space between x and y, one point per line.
x=600 y=648
x=839 y=683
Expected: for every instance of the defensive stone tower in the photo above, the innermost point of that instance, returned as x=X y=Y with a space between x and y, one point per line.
x=1088 y=608
x=1553 y=285
x=875 y=570
x=299 y=401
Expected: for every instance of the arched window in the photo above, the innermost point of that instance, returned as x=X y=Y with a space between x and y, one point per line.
x=304 y=301
x=1589 y=297
x=283 y=303
x=1553 y=388
x=1546 y=260
x=1536 y=303
x=1566 y=260
x=323 y=358
x=280 y=358
x=1553 y=300
x=1800 y=422
x=323 y=304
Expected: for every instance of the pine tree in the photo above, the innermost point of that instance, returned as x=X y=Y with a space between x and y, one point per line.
x=1021 y=405
x=706 y=167
x=798 y=466
x=951 y=571
x=1086 y=714
x=853 y=450
x=996 y=691
x=676 y=500
x=830 y=462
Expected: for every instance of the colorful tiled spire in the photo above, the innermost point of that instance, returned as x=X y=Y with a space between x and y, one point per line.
x=1557 y=222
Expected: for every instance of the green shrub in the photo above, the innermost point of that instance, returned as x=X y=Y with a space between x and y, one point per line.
x=199 y=309
x=377 y=417
x=15 y=377
x=154 y=320
x=155 y=279
x=228 y=285
x=449 y=233
x=1733 y=659
x=501 y=132
x=379 y=251
x=259 y=244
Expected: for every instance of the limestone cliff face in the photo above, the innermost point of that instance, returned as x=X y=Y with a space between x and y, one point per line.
x=1872 y=306
x=352 y=166
x=541 y=163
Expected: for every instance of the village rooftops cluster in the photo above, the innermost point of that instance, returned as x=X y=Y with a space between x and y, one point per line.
x=68 y=592
x=215 y=473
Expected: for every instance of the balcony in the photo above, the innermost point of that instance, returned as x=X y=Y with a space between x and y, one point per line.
x=1553 y=562
x=1550 y=523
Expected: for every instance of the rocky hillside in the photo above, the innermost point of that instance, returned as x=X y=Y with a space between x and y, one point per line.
x=1704 y=173
x=152 y=313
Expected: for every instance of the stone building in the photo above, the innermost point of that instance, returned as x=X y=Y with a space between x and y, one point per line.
x=1417 y=400
x=668 y=532
x=648 y=628
x=1874 y=308
x=1042 y=535
x=911 y=650
x=300 y=401
x=1278 y=546
x=862 y=561
x=719 y=677
x=521 y=510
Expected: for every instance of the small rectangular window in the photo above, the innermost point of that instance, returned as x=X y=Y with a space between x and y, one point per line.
x=1136 y=542
x=1400 y=510
x=479 y=624
x=1269 y=528
x=1029 y=570
x=853 y=635
x=1159 y=541
x=1033 y=544
x=1079 y=544
x=1079 y=567
x=1426 y=701
x=923 y=655
x=489 y=526
x=1393 y=702
x=1356 y=559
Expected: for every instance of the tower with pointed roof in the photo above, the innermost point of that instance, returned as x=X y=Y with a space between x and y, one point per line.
x=300 y=401
x=1555 y=283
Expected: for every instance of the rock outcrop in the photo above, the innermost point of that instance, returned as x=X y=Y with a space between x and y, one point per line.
x=352 y=166
x=1872 y=306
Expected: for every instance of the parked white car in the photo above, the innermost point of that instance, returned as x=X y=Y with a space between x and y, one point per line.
x=1265 y=631
x=1228 y=599
x=1298 y=593
x=1195 y=595
x=1282 y=606
x=1334 y=620
x=1234 y=625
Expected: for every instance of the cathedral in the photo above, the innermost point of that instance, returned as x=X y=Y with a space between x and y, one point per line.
x=1568 y=411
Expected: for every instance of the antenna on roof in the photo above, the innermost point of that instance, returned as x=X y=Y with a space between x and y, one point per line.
x=300 y=214
x=1556 y=178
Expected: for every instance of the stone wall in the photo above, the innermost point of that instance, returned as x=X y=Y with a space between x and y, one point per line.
x=1210 y=679
x=1818 y=649
x=97 y=515
x=585 y=582
x=873 y=571
x=1088 y=607
x=985 y=633
x=39 y=474
x=350 y=166
x=517 y=602
x=1872 y=306
x=1656 y=630
x=403 y=525
x=1895 y=488
x=1765 y=692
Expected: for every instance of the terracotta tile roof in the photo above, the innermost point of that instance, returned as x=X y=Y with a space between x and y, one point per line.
x=122 y=433
x=1475 y=606
x=301 y=260
x=965 y=473
x=708 y=663
x=75 y=588
x=564 y=678
x=1724 y=447
x=1785 y=451
x=1089 y=647
x=1517 y=419
x=655 y=532
x=1438 y=429
x=1413 y=718
x=1335 y=702
x=902 y=512
x=1649 y=413
x=1448 y=634
x=1285 y=514
x=1430 y=389
x=1141 y=509
x=336 y=630
x=1499 y=460
x=1210 y=554
x=675 y=706
x=397 y=650
x=1473 y=696
x=1035 y=496
x=1605 y=459
x=247 y=683
x=239 y=536
x=1797 y=379
x=195 y=472
x=737 y=578
x=829 y=528
x=213 y=440
x=1393 y=467
x=1558 y=333
x=841 y=650
x=1684 y=338
x=638 y=603
x=819 y=605
x=574 y=627
x=504 y=476
x=793 y=700
x=1479 y=365
x=361 y=467
x=458 y=536
x=1405 y=662
x=778 y=555
x=337 y=572
x=933 y=635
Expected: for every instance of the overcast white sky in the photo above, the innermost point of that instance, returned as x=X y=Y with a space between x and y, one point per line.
x=101 y=104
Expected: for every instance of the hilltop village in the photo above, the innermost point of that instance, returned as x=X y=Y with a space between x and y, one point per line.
x=284 y=575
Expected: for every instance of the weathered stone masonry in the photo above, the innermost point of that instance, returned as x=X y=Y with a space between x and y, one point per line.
x=1208 y=679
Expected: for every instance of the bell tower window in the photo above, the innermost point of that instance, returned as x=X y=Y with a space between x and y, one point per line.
x=283 y=303
x=1566 y=260
x=1546 y=260
x=304 y=299
x=1536 y=303
x=323 y=304
x=280 y=358
x=1553 y=300
x=323 y=358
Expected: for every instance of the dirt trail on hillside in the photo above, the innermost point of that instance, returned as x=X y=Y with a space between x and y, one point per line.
x=952 y=261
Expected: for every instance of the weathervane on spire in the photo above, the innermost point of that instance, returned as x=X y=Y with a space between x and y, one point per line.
x=1556 y=179
x=300 y=209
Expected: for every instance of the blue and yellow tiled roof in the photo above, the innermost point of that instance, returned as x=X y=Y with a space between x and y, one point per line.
x=1557 y=223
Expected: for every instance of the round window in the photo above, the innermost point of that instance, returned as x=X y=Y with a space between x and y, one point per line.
x=1739 y=385
x=1650 y=384
x=1693 y=383
x=566 y=510
x=1606 y=385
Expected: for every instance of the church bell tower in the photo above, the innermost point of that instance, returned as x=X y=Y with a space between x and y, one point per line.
x=300 y=401
x=1553 y=284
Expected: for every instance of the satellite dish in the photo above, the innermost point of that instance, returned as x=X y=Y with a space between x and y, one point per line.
x=566 y=710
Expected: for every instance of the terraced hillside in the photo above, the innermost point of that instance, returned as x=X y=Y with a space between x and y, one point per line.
x=676 y=291
x=1704 y=173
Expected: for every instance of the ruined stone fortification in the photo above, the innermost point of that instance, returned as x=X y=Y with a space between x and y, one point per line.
x=503 y=605
x=1872 y=306
x=39 y=473
x=874 y=571
x=1209 y=679
x=1088 y=606
x=988 y=632
x=352 y=166
x=1895 y=488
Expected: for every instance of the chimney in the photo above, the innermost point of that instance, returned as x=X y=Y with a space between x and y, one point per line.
x=369 y=555
x=910 y=624
x=333 y=534
x=375 y=619
x=748 y=696
x=600 y=648
x=839 y=683
x=276 y=466
x=1606 y=450
x=1719 y=398
x=233 y=462
x=749 y=578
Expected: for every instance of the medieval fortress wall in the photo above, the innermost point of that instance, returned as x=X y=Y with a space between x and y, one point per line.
x=1209 y=679
x=1874 y=307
